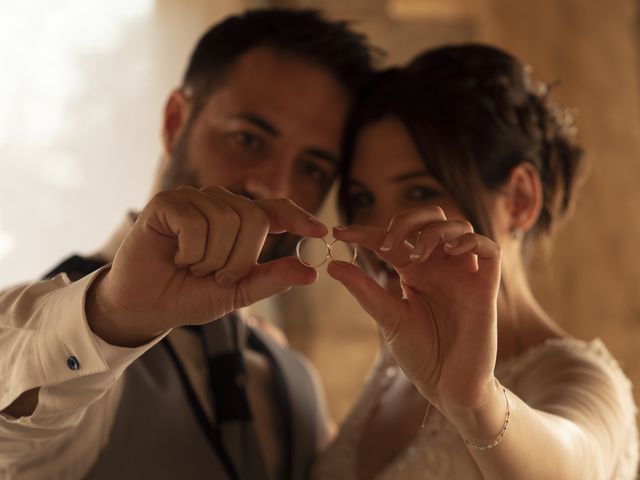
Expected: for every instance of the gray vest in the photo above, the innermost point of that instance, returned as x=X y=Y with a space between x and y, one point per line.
x=156 y=434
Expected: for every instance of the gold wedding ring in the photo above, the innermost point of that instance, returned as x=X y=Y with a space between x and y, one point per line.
x=315 y=252
x=336 y=254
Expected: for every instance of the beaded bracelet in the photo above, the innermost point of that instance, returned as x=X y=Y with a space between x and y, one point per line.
x=500 y=436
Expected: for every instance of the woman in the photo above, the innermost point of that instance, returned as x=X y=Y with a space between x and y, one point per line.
x=456 y=168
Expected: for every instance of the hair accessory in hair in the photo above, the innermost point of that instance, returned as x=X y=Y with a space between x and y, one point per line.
x=538 y=88
x=563 y=117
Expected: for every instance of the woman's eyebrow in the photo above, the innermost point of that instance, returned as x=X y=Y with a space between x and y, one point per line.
x=354 y=183
x=410 y=175
x=399 y=178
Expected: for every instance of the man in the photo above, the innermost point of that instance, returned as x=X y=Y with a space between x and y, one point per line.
x=255 y=132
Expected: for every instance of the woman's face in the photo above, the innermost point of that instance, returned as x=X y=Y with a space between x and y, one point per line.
x=389 y=176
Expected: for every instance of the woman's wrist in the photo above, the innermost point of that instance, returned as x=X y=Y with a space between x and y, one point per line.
x=483 y=423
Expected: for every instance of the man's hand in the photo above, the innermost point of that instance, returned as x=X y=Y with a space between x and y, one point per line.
x=191 y=258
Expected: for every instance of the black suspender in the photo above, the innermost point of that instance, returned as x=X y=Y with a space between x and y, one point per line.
x=210 y=430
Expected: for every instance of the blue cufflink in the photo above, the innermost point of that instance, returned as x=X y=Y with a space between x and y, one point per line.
x=73 y=363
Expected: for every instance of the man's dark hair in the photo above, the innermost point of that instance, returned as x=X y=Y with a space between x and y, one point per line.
x=329 y=44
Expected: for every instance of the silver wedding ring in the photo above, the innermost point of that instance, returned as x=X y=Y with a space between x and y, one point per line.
x=324 y=251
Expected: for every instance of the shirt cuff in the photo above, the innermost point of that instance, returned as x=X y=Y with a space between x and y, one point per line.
x=67 y=346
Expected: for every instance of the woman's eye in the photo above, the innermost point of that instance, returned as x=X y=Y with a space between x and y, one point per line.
x=360 y=199
x=422 y=194
x=247 y=140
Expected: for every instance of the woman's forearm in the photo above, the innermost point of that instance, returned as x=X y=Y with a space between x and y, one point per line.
x=536 y=445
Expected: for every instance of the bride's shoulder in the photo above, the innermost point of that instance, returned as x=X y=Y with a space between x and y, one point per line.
x=564 y=352
x=571 y=377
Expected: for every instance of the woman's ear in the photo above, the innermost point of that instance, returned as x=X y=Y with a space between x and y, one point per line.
x=523 y=189
x=176 y=112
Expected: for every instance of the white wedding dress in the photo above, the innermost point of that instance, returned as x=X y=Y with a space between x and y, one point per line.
x=597 y=390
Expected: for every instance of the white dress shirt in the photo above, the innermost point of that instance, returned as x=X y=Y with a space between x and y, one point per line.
x=46 y=342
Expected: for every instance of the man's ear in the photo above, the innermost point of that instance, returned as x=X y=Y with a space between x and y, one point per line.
x=524 y=196
x=176 y=113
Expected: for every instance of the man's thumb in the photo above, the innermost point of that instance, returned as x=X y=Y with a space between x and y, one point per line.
x=272 y=278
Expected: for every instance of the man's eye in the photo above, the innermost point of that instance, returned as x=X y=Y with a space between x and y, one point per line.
x=422 y=194
x=318 y=174
x=247 y=140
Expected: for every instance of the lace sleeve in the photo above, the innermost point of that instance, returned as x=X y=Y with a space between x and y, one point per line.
x=582 y=382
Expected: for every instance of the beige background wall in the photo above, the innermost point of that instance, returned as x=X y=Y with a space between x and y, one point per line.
x=80 y=100
x=82 y=88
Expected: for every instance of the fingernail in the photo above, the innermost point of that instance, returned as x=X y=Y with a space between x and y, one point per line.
x=387 y=243
x=340 y=228
x=225 y=279
x=417 y=252
x=451 y=244
x=315 y=221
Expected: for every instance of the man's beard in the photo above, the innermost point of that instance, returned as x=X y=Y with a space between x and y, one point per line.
x=179 y=173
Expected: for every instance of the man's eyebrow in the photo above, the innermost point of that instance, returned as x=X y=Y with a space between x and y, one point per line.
x=259 y=122
x=322 y=154
x=266 y=126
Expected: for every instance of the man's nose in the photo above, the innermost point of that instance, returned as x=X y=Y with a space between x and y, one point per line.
x=272 y=181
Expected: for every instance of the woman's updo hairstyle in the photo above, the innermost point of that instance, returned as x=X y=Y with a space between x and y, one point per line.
x=474 y=116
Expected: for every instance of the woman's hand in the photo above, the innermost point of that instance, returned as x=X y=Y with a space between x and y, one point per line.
x=443 y=333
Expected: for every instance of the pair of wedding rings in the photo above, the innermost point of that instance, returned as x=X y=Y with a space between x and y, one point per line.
x=314 y=252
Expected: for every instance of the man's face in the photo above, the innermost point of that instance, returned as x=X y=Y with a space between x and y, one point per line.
x=272 y=129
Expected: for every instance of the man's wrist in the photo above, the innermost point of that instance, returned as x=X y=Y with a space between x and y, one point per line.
x=118 y=328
